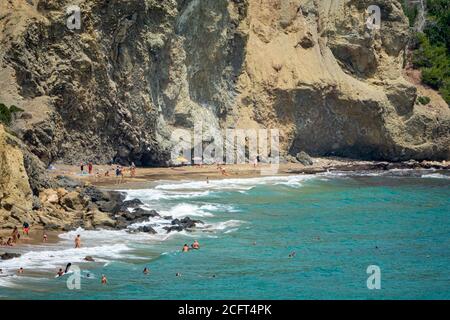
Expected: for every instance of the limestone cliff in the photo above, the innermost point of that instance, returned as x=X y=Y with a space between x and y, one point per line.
x=138 y=69
x=15 y=191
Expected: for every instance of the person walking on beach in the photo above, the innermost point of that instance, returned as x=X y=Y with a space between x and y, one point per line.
x=104 y=280
x=90 y=167
x=15 y=235
x=26 y=228
x=78 y=241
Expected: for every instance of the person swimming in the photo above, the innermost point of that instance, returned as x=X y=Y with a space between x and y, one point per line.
x=104 y=280
x=146 y=270
x=292 y=254
x=20 y=271
x=185 y=248
x=196 y=245
x=60 y=272
x=178 y=274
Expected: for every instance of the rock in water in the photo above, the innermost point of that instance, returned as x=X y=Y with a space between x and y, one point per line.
x=8 y=255
x=89 y=258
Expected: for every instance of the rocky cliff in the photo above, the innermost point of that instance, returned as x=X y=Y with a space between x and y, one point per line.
x=138 y=69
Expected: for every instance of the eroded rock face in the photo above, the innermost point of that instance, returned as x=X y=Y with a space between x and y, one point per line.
x=137 y=70
x=16 y=197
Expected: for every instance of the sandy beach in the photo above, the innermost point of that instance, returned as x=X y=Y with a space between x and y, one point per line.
x=35 y=237
x=212 y=172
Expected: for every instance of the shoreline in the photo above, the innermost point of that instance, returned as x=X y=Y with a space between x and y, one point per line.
x=144 y=176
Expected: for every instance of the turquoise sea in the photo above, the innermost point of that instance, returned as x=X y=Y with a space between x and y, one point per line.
x=336 y=223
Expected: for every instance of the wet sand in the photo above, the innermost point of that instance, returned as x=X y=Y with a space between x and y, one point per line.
x=35 y=237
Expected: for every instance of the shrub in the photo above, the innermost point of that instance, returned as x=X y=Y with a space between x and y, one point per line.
x=423 y=100
x=6 y=114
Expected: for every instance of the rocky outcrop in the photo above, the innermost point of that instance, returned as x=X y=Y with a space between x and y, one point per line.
x=16 y=197
x=137 y=70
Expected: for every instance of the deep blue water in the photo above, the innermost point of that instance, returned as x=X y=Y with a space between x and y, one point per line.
x=337 y=226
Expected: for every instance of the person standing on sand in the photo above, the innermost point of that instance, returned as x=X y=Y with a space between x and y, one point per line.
x=82 y=167
x=118 y=174
x=44 y=238
x=78 y=241
x=133 y=169
x=26 y=228
x=90 y=167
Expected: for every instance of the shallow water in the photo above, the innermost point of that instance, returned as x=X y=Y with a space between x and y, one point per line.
x=337 y=224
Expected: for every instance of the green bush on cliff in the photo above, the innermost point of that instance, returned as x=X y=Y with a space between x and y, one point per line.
x=432 y=55
x=424 y=100
x=6 y=114
x=410 y=11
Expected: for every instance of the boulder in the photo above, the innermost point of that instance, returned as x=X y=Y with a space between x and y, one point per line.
x=185 y=223
x=73 y=201
x=291 y=159
x=9 y=255
x=68 y=183
x=130 y=204
x=49 y=196
x=61 y=192
x=89 y=258
x=304 y=158
x=139 y=214
x=102 y=220
x=146 y=229
x=95 y=194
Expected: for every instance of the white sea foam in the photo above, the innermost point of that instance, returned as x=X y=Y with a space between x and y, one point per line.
x=233 y=184
x=58 y=256
x=436 y=176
